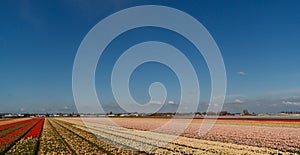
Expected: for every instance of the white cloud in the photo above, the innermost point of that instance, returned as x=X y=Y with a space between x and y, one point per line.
x=291 y=103
x=242 y=73
x=295 y=97
x=171 y=102
x=22 y=109
x=237 y=101
x=155 y=102
x=290 y=98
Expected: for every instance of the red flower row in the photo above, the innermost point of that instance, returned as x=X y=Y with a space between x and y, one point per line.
x=12 y=137
x=7 y=126
x=36 y=130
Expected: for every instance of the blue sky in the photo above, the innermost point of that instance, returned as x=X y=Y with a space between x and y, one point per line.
x=259 y=42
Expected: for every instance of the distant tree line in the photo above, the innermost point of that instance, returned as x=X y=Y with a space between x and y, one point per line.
x=245 y=112
x=290 y=112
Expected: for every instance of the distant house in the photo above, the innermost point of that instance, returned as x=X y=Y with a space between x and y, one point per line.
x=10 y=115
x=134 y=114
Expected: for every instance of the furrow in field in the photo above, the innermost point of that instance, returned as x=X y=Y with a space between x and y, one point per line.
x=121 y=139
x=28 y=143
x=142 y=143
x=51 y=142
x=100 y=143
x=124 y=139
x=258 y=133
x=11 y=121
x=10 y=139
x=180 y=145
x=156 y=141
x=76 y=142
x=12 y=129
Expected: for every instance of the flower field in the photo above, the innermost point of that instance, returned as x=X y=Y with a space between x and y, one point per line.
x=60 y=137
x=142 y=136
x=277 y=134
x=20 y=136
x=231 y=138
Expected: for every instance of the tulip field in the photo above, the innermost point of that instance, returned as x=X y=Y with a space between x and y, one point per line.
x=20 y=136
x=66 y=135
